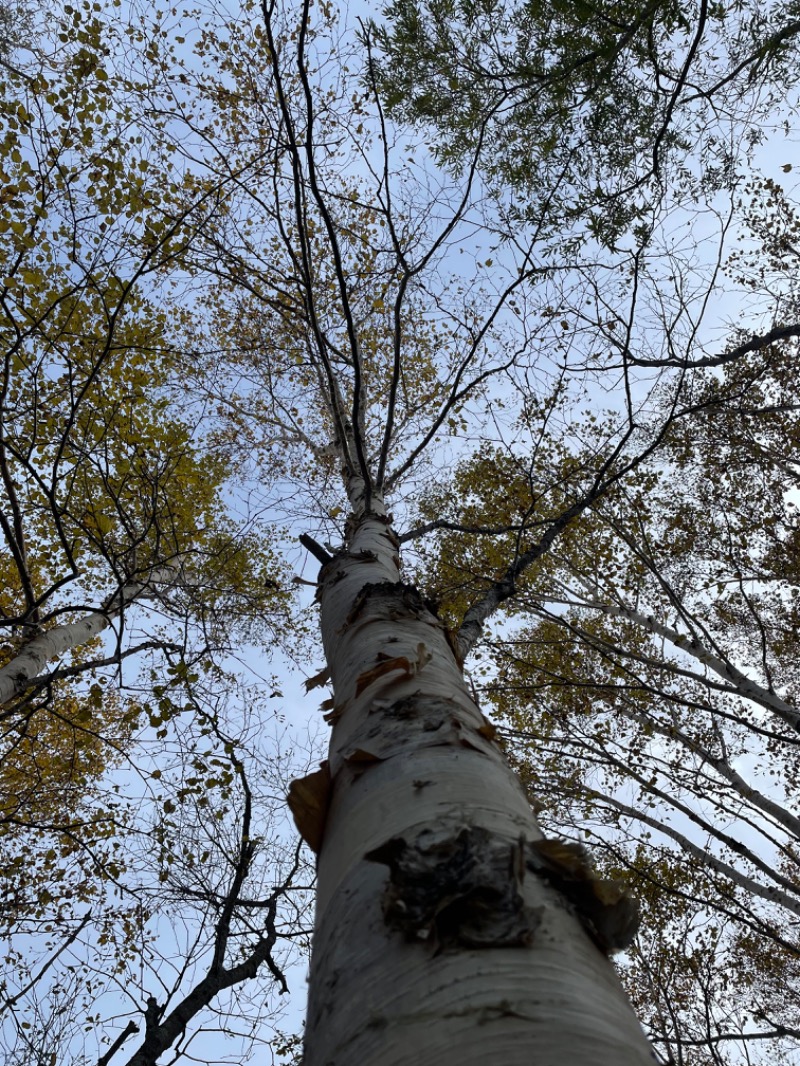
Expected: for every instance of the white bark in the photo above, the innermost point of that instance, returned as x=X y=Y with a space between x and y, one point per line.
x=707 y=858
x=776 y=812
x=25 y=667
x=412 y=760
x=726 y=671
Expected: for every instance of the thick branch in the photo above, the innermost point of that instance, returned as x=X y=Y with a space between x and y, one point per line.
x=24 y=668
x=129 y=1030
x=161 y=1036
x=755 y=344
x=457 y=527
x=319 y=553
x=751 y=690
x=501 y=590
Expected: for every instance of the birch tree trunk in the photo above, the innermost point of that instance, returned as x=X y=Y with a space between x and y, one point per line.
x=26 y=666
x=726 y=671
x=442 y=937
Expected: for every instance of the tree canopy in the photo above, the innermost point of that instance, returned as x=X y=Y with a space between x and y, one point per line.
x=525 y=274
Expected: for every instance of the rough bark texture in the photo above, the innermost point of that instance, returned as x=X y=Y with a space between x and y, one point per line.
x=442 y=935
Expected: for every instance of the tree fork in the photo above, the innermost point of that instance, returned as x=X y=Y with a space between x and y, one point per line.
x=445 y=932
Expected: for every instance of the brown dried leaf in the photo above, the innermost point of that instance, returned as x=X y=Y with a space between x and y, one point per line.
x=609 y=892
x=563 y=858
x=609 y=914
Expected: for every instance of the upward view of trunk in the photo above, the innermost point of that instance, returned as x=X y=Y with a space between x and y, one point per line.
x=445 y=934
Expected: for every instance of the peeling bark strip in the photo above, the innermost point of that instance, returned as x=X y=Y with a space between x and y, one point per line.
x=606 y=911
x=443 y=938
x=308 y=801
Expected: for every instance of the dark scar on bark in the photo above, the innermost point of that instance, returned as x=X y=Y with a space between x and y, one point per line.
x=460 y=892
x=395 y=593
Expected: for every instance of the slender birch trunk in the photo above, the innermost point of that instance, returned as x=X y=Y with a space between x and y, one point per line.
x=441 y=936
x=26 y=666
x=726 y=671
